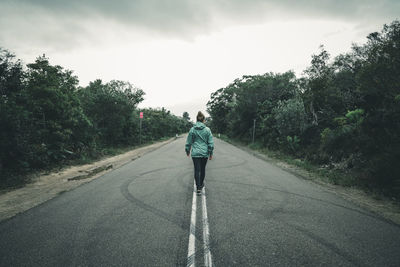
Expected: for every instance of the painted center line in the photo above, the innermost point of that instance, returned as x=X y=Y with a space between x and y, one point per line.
x=192 y=238
x=206 y=232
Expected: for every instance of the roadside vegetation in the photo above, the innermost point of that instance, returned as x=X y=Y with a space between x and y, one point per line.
x=341 y=117
x=48 y=120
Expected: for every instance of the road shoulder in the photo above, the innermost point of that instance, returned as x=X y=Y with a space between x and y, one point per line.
x=383 y=207
x=48 y=186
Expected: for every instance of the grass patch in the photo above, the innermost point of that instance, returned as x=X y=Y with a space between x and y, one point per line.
x=326 y=174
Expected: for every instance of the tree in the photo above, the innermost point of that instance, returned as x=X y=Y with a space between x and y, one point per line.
x=160 y=123
x=56 y=113
x=378 y=81
x=185 y=116
x=46 y=120
x=187 y=122
x=13 y=118
x=111 y=108
x=345 y=110
x=220 y=105
x=290 y=121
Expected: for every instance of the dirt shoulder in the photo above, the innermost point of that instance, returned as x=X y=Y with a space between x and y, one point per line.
x=46 y=187
x=384 y=207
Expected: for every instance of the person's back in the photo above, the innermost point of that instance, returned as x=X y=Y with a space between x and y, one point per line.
x=200 y=143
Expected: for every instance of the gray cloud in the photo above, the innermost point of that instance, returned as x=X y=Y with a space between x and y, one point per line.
x=64 y=24
x=165 y=14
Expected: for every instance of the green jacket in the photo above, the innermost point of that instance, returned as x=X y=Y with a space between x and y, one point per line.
x=200 y=140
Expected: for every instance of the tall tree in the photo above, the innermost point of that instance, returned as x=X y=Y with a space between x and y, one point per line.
x=185 y=116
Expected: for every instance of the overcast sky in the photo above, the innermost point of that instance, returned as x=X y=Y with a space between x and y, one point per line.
x=180 y=51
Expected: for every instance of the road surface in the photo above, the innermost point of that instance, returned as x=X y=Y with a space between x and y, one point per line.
x=251 y=214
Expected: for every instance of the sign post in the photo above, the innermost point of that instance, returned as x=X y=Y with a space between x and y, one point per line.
x=140 y=127
x=254 y=128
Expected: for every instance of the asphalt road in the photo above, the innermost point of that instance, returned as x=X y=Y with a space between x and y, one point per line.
x=140 y=215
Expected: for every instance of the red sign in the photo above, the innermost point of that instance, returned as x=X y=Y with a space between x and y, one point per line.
x=141 y=115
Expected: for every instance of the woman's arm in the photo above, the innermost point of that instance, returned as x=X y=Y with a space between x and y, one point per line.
x=189 y=141
x=210 y=145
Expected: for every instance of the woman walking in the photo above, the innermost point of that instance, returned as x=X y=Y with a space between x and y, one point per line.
x=200 y=141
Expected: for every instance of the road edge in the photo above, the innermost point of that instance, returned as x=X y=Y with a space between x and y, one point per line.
x=46 y=187
x=385 y=209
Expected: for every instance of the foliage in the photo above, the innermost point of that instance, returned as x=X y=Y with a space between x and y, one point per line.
x=219 y=107
x=293 y=143
x=344 y=111
x=111 y=108
x=290 y=117
x=185 y=115
x=233 y=109
x=158 y=123
x=186 y=118
x=13 y=118
x=46 y=119
x=56 y=115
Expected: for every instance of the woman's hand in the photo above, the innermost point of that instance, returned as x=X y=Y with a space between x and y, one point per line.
x=210 y=158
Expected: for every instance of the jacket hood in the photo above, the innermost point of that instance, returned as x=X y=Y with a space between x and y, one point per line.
x=199 y=126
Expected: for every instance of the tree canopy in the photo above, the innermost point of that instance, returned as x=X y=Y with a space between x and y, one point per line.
x=342 y=112
x=47 y=119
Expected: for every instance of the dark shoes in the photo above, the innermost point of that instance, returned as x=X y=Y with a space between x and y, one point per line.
x=199 y=189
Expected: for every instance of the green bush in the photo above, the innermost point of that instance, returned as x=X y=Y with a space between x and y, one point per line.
x=342 y=112
x=47 y=120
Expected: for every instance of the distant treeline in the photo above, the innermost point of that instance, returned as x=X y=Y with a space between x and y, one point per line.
x=46 y=119
x=343 y=113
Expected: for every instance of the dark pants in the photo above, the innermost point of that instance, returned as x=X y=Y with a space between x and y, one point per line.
x=199 y=171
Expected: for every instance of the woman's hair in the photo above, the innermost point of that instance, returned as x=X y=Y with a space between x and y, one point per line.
x=200 y=116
